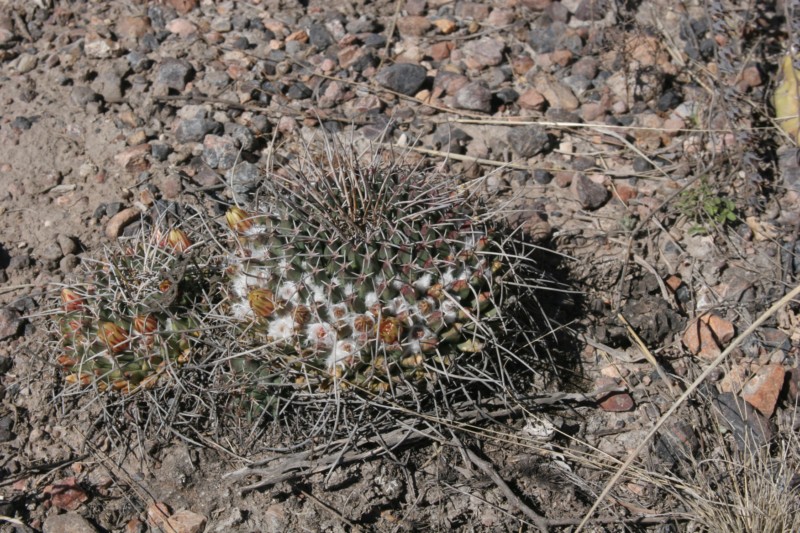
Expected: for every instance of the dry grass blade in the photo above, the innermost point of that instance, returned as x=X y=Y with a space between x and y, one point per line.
x=689 y=391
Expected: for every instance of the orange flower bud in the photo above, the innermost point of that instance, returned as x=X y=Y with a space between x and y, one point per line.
x=71 y=300
x=113 y=336
x=363 y=324
x=145 y=324
x=238 y=219
x=301 y=314
x=262 y=302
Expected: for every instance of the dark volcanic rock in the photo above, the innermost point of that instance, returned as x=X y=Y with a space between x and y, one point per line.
x=403 y=78
x=528 y=141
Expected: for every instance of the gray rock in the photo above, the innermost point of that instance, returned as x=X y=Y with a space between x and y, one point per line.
x=507 y=95
x=21 y=123
x=138 y=61
x=219 y=152
x=69 y=263
x=586 y=67
x=82 y=95
x=195 y=129
x=10 y=322
x=527 y=141
x=67 y=244
x=245 y=178
x=221 y=24
x=591 y=10
x=591 y=195
x=751 y=430
x=6 y=425
x=542 y=177
x=67 y=523
x=450 y=139
x=241 y=135
x=19 y=262
x=173 y=74
x=109 y=84
x=363 y=24
x=474 y=96
x=484 y=52
x=319 y=36
x=26 y=63
x=403 y=78
x=299 y=91
x=160 y=151
x=577 y=83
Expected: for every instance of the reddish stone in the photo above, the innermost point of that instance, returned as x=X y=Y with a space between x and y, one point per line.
x=763 y=389
x=441 y=50
x=618 y=402
x=625 y=193
x=183 y=6
x=531 y=99
x=707 y=335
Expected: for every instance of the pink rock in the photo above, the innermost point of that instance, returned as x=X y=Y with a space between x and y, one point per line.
x=531 y=99
x=413 y=26
x=132 y=27
x=186 y=522
x=134 y=159
x=181 y=27
x=706 y=336
x=591 y=111
x=763 y=389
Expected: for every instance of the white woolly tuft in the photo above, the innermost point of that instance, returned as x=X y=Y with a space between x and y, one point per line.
x=281 y=329
x=241 y=310
x=371 y=299
x=424 y=282
x=449 y=310
x=321 y=335
x=341 y=352
x=448 y=277
x=289 y=291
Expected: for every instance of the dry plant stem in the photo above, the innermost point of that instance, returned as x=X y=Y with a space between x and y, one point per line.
x=649 y=356
x=635 y=453
x=488 y=469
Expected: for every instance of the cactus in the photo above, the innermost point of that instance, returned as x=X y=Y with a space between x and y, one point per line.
x=344 y=275
x=133 y=321
x=364 y=276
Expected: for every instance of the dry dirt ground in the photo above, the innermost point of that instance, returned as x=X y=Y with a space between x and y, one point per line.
x=632 y=140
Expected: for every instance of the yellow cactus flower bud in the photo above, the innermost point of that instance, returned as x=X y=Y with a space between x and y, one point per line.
x=262 y=302
x=178 y=240
x=71 y=300
x=113 y=336
x=238 y=219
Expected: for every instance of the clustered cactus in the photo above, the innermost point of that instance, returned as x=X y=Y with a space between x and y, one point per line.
x=130 y=325
x=350 y=275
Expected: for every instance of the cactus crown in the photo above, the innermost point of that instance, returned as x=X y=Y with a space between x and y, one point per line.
x=364 y=275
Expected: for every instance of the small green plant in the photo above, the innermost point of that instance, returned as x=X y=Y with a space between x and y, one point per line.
x=705 y=207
